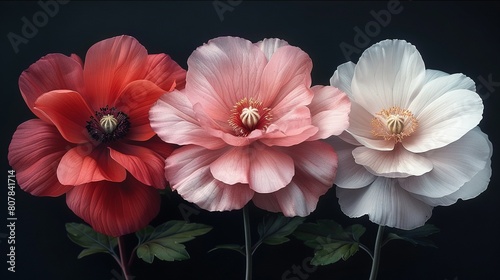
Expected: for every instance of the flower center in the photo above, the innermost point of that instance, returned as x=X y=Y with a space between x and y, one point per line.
x=108 y=125
x=248 y=115
x=394 y=124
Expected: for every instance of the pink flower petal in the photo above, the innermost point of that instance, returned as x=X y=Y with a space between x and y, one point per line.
x=68 y=111
x=34 y=153
x=454 y=165
x=388 y=74
x=109 y=66
x=286 y=81
x=386 y=203
x=269 y=46
x=136 y=100
x=330 y=109
x=270 y=169
x=223 y=72
x=315 y=168
x=398 y=163
x=173 y=119
x=165 y=72
x=145 y=165
x=85 y=163
x=233 y=166
x=350 y=175
x=51 y=72
x=188 y=171
x=115 y=209
x=445 y=120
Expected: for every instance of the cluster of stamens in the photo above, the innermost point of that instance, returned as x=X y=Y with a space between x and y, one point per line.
x=394 y=124
x=108 y=125
x=248 y=115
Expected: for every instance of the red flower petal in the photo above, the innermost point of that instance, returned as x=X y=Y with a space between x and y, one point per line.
x=34 y=153
x=51 y=72
x=115 y=209
x=144 y=164
x=165 y=72
x=135 y=101
x=110 y=65
x=68 y=112
x=86 y=163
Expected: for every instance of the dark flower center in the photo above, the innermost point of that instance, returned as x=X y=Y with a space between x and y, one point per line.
x=108 y=125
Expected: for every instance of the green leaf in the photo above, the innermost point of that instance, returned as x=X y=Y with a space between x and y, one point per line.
x=275 y=228
x=415 y=236
x=330 y=241
x=165 y=241
x=234 y=247
x=92 y=241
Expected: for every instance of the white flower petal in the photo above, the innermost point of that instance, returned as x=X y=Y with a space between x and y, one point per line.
x=454 y=165
x=445 y=120
x=398 y=163
x=360 y=128
x=385 y=203
x=469 y=190
x=436 y=88
x=388 y=74
x=350 y=175
x=342 y=77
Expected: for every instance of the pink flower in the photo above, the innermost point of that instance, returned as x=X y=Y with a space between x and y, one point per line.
x=413 y=141
x=250 y=123
x=93 y=141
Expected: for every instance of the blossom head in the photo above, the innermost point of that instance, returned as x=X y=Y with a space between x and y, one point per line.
x=250 y=120
x=411 y=130
x=92 y=140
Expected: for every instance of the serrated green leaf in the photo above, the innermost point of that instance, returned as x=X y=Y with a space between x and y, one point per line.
x=92 y=241
x=415 y=236
x=165 y=241
x=330 y=241
x=233 y=247
x=275 y=228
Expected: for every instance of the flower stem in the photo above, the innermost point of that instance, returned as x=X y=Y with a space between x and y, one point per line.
x=376 y=253
x=123 y=261
x=248 y=243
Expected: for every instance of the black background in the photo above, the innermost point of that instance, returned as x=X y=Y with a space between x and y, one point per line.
x=452 y=37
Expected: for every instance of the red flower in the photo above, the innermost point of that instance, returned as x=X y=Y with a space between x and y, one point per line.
x=93 y=141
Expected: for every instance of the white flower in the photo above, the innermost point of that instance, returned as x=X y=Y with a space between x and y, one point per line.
x=413 y=141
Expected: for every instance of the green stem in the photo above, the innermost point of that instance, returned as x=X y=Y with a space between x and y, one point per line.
x=248 y=244
x=123 y=261
x=368 y=251
x=376 y=253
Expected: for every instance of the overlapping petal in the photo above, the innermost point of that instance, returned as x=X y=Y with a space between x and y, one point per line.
x=188 y=171
x=388 y=73
x=35 y=152
x=315 y=168
x=163 y=71
x=115 y=209
x=68 y=111
x=86 y=163
x=51 y=72
x=386 y=203
x=110 y=65
x=330 y=109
